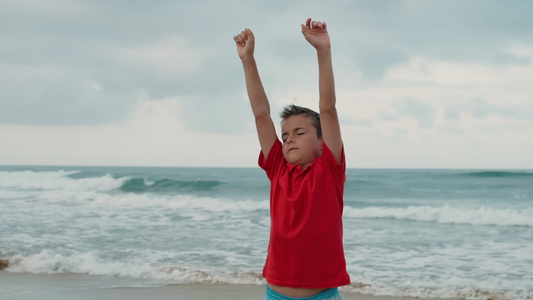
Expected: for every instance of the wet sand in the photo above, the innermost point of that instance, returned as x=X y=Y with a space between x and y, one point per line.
x=23 y=286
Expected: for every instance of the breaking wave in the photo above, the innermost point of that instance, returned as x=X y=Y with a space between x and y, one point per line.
x=447 y=215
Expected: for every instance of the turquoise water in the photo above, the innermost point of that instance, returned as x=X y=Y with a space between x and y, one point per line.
x=429 y=233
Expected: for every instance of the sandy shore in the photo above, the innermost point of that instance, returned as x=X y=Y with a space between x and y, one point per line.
x=74 y=286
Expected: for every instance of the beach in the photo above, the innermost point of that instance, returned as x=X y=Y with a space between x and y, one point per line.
x=23 y=286
x=203 y=233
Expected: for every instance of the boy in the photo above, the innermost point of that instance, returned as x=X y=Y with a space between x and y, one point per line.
x=307 y=174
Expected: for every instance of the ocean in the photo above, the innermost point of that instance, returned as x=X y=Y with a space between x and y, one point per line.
x=464 y=234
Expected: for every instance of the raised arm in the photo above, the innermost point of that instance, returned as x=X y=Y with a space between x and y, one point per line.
x=317 y=35
x=256 y=93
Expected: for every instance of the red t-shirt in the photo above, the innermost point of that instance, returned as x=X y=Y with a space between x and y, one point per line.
x=305 y=249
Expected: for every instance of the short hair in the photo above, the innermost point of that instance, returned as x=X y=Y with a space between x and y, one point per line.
x=293 y=110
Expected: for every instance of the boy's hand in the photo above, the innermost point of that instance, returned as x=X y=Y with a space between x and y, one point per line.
x=316 y=34
x=245 y=43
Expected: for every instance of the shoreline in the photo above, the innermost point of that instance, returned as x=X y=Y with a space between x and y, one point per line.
x=28 y=286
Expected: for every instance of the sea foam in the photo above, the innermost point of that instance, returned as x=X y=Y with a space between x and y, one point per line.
x=27 y=180
x=93 y=263
x=447 y=215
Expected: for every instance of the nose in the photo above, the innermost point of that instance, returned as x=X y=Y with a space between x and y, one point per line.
x=289 y=140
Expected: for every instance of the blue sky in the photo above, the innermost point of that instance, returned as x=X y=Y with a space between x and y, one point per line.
x=420 y=84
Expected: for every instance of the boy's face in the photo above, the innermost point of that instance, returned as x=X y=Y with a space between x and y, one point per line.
x=300 y=142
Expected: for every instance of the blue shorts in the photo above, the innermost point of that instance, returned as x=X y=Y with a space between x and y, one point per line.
x=329 y=294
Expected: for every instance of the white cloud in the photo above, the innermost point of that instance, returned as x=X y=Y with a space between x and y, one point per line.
x=523 y=52
x=434 y=113
x=154 y=136
x=58 y=95
x=171 y=57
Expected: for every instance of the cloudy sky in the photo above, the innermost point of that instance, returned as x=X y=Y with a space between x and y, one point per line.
x=420 y=84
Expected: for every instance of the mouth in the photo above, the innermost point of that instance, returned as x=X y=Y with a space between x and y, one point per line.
x=291 y=149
